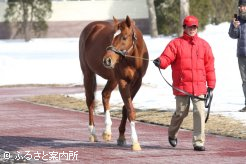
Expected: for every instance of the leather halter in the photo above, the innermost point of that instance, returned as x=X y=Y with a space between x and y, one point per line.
x=124 y=52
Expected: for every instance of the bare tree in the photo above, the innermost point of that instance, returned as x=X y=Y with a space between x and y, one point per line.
x=184 y=11
x=152 y=18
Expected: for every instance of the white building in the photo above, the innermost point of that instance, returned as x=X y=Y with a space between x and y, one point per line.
x=70 y=16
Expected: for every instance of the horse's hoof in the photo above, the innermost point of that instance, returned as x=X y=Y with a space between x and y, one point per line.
x=106 y=136
x=136 y=147
x=121 y=141
x=93 y=138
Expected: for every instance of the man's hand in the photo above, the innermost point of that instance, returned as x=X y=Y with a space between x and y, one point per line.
x=236 y=23
x=157 y=62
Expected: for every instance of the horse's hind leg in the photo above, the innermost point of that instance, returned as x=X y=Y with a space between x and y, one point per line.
x=90 y=87
x=106 y=93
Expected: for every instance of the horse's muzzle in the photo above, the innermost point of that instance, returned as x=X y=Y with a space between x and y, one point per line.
x=108 y=63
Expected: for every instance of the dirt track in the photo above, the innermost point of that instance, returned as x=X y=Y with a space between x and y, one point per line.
x=30 y=129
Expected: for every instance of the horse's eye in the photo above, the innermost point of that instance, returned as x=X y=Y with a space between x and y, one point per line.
x=124 y=37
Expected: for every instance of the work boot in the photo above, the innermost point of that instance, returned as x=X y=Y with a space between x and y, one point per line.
x=172 y=141
x=199 y=148
x=243 y=110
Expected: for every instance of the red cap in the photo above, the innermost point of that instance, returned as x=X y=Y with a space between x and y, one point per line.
x=190 y=21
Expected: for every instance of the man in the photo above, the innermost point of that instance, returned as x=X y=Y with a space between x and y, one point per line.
x=192 y=63
x=237 y=30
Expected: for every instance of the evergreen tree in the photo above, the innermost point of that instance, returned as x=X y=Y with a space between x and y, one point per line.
x=202 y=9
x=207 y=11
x=167 y=12
x=223 y=10
x=28 y=17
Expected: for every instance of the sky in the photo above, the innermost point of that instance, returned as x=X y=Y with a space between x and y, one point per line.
x=56 y=61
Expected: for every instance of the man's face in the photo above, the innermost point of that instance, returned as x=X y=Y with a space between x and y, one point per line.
x=242 y=8
x=191 y=30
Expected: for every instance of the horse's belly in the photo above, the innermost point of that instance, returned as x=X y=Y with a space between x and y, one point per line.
x=98 y=68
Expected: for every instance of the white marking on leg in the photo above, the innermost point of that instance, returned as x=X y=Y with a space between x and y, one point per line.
x=134 y=136
x=92 y=129
x=108 y=122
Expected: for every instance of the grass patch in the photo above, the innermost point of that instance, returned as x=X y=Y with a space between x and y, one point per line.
x=59 y=101
x=217 y=124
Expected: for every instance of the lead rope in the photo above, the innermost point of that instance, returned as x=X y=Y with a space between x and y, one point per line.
x=208 y=97
x=180 y=90
x=138 y=57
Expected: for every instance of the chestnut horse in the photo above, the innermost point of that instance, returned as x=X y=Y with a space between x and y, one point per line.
x=114 y=51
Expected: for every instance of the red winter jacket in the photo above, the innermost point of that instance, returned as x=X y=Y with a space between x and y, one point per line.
x=192 y=63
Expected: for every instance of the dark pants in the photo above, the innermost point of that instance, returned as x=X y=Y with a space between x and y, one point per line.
x=242 y=68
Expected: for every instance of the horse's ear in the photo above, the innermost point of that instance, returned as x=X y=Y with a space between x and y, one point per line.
x=116 y=23
x=128 y=21
x=115 y=20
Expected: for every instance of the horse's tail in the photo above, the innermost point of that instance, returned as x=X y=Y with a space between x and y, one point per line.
x=86 y=32
x=82 y=40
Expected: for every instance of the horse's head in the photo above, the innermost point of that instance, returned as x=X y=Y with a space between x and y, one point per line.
x=123 y=42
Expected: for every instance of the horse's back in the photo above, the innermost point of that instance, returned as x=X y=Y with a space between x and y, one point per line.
x=93 y=41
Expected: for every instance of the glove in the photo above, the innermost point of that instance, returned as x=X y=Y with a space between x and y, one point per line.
x=157 y=62
x=236 y=23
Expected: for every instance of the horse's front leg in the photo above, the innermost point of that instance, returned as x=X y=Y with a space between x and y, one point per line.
x=122 y=128
x=106 y=93
x=127 y=98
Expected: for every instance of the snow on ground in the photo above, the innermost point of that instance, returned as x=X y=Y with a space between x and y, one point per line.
x=56 y=60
